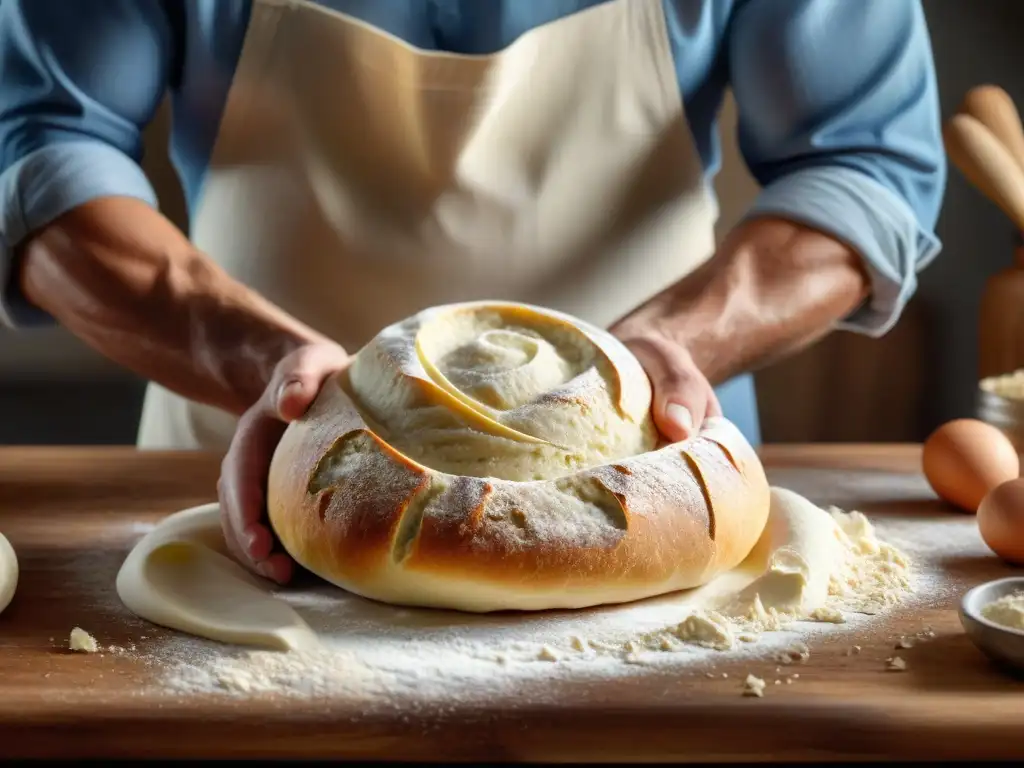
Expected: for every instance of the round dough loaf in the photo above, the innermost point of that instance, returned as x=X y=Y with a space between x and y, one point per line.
x=492 y=456
x=8 y=573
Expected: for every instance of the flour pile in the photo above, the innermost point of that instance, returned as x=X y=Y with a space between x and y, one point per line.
x=862 y=575
x=813 y=572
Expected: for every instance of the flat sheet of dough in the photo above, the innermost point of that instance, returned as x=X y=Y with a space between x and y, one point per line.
x=180 y=576
x=8 y=573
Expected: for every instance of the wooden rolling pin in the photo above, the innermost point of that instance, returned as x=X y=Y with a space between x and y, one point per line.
x=986 y=142
x=991 y=106
x=987 y=164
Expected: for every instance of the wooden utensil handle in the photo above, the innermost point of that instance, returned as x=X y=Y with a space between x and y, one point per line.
x=992 y=107
x=986 y=164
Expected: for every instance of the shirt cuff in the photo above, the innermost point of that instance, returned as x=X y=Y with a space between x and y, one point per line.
x=46 y=184
x=869 y=218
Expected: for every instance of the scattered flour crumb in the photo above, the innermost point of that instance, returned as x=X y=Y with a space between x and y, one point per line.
x=896 y=664
x=753 y=686
x=706 y=629
x=547 y=654
x=904 y=643
x=798 y=652
x=82 y=641
x=828 y=614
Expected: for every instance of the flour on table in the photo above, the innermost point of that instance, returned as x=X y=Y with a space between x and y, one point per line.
x=815 y=573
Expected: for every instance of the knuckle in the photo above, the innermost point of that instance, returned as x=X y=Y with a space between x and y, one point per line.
x=680 y=382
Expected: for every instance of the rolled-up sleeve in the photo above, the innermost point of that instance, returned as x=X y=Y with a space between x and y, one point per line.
x=80 y=80
x=839 y=121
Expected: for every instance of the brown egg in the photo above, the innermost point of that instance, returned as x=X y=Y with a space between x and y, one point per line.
x=1001 y=520
x=964 y=459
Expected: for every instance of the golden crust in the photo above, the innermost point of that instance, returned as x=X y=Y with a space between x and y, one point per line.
x=688 y=512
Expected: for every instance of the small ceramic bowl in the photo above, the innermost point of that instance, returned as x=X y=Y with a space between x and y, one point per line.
x=1002 y=644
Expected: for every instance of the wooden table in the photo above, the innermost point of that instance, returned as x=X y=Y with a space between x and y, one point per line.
x=72 y=514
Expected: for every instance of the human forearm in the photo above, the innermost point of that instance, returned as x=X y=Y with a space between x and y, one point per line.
x=773 y=288
x=121 y=277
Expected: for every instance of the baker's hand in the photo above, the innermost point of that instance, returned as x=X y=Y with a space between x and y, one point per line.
x=242 y=488
x=683 y=397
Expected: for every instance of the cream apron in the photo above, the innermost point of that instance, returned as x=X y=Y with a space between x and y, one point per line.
x=357 y=179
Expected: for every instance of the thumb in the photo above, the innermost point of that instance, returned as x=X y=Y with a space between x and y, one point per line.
x=682 y=395
x=302 y=374
x=680 y=408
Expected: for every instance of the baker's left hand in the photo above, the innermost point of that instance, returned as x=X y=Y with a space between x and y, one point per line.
x=683 y=397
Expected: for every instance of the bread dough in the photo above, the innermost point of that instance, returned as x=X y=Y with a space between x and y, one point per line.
x=8 y=573
x=181 y=576
x=491 y=457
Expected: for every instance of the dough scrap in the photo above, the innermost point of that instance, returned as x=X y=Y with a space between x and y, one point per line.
x=82 y=642
x=181 y=576
x=754 y=686
x=8 y=573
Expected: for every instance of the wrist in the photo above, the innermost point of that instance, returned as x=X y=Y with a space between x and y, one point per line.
x=238 y=338
x=773 y=287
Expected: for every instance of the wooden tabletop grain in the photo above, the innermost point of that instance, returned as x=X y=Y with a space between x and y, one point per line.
x=72 y=515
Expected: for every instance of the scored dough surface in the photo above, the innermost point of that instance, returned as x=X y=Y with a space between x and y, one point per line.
x=493 y=456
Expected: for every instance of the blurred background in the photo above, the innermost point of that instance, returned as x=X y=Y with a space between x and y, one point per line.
x=53 y=390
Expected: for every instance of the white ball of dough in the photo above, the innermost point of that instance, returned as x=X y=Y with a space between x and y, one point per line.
x=8 y=572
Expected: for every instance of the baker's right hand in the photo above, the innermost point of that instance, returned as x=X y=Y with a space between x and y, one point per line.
x=296 y=381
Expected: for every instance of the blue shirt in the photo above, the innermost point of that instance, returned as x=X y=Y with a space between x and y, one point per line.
x=839 y=118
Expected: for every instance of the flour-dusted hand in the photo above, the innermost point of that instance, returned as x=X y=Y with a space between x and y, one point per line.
x=683 y=397
x=295 y=384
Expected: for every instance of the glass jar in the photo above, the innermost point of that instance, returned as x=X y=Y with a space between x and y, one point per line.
x=1001 y=403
